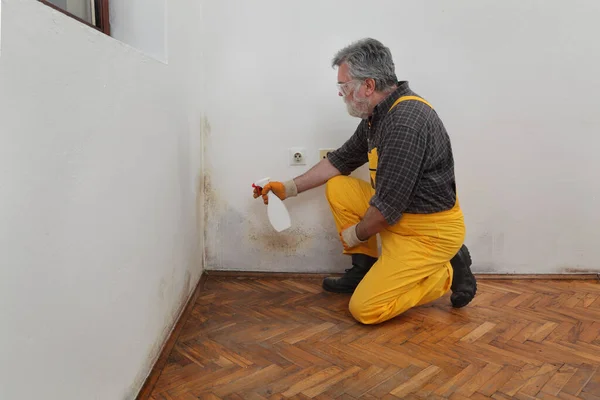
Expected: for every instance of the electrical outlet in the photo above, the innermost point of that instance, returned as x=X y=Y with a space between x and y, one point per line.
x=323 y=153
x=297 y=156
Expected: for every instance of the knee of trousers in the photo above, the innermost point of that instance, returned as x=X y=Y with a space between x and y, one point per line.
x=363 y=313
x=335 y=187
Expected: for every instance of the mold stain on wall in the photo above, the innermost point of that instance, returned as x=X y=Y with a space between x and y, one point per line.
x=288 y=242
x=211 y=204
x=212 y=216
x=234 y=236
x=200 y=195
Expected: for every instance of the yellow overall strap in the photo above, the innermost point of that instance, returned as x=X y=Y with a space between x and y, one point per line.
x=404 y=98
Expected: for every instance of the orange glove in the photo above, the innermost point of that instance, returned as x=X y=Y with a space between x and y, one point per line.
x=283 y=190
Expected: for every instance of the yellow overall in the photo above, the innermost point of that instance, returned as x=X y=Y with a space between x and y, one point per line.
x=414 y=266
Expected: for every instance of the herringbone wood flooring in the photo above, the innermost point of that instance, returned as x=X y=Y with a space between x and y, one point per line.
x=286 y=338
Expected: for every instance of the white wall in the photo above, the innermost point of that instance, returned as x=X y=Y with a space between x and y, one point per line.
x=100 y=201
x=515 y=82
x=142 y=24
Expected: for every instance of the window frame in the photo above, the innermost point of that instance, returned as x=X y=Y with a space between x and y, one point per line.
x=102 y=17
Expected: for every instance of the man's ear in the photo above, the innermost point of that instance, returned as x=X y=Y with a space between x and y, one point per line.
x=370 y=83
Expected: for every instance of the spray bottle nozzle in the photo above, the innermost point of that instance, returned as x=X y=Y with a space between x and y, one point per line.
x=260 y=183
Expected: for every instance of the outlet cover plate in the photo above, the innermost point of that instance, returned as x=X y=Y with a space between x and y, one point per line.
x=323 y=153
x=297 y=156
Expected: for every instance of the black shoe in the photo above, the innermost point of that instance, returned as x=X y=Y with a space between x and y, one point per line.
x=464 y=284
x=361 y=264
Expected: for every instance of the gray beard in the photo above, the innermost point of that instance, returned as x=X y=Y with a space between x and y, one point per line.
x=359 y=109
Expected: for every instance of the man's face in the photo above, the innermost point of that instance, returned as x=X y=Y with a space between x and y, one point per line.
x=354 y=93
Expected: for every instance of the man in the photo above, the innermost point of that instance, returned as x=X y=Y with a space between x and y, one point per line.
x=411 y=201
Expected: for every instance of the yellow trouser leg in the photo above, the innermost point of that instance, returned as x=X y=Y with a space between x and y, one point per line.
x=349 y=200
x=414 y=267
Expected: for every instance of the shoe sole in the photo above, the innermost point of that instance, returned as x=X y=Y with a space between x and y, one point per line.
x=462 y=300
x=334 y=290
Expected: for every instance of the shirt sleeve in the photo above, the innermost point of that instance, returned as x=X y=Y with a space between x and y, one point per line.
x=353 y=153
x=401 y=155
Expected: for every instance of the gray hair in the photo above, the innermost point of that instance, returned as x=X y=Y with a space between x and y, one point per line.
x=369 y=58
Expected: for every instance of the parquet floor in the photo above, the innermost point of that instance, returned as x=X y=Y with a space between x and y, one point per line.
x=287 y=339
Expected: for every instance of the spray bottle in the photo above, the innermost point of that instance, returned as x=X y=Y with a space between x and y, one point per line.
x=276 y=210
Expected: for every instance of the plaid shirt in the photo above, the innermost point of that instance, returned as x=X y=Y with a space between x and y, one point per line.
x=415 y=171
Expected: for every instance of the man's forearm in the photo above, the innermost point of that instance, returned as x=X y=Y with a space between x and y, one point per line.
x=372 y=223
x=316 y=176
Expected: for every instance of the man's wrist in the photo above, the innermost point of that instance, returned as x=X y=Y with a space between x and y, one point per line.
x=350 y=238
x=291 y=190
x=359 y=234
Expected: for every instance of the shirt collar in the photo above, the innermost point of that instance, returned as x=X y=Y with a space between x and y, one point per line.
x=383 y=107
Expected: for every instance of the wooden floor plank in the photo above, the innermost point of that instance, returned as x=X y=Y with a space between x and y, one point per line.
x=494 y=383
x=559 y=380
x=285 y=338
x=415 y=382
x=363 y=384
x=483 y=376
x=311 y=381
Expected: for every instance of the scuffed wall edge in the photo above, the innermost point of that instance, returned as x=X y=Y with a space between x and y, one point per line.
x=160 y=359
x=208 y=200
x=200 y=202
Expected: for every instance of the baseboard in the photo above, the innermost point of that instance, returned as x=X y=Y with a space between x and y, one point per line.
x=264 y=274
x=570 y=277
x=295 y=275
x=161 y=361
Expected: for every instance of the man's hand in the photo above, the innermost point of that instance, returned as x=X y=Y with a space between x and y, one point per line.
x=316 y=176
x=372 y=223
x=349 y=237
x=283 y=190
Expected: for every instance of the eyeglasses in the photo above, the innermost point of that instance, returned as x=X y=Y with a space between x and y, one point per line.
x=342 y=87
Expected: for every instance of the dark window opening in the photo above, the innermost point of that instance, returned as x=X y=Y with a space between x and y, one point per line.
x=93 y=13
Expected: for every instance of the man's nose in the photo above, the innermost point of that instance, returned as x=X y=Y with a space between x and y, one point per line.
x=340 y=94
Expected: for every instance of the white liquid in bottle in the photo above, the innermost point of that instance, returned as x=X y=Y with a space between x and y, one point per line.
x=276 y=210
